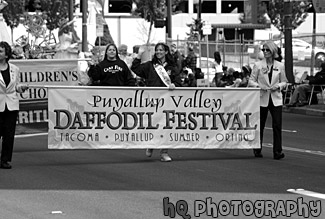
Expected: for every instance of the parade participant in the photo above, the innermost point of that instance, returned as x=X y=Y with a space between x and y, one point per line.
x=269 y=75
x=9 y=103
x=159 y=72
x=68 y=46
x=111 y=71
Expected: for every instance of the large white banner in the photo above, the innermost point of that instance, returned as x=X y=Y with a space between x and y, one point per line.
x=130 y=118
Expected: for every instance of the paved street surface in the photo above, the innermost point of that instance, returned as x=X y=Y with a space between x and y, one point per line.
x=124 y=184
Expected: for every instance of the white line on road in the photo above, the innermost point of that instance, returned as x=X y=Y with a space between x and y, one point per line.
x=307 y=193
x=298 y=150
x=284 y=130
x=30 y=135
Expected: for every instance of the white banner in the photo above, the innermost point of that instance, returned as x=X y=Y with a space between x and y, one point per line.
x=131 y=118
x=42 y=72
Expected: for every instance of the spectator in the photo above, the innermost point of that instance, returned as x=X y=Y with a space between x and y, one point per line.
x=9 y=103
x=177 y=56
x=246 y=72
x=191 y=80
x=217 y=62
x=159 y=72
x=299 y=96
x=111 y=71
x=191 y=59
x=269 y=75
x=227 y=78
x=125 y=56
x=184 y=78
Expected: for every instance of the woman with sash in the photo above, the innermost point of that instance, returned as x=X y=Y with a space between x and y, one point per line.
x=161 y=71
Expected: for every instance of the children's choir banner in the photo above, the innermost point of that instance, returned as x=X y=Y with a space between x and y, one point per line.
x=133 y=118
x=39 y=73
x=42 y=72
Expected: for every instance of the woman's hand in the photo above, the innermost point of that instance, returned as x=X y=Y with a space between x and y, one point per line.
x=275 y=88
x=141 y=50
x=171 y=86
x=24 y=87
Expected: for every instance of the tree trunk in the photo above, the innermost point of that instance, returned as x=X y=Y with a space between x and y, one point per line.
x=149 y=33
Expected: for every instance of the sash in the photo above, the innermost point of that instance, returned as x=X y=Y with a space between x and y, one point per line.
x=163 y=74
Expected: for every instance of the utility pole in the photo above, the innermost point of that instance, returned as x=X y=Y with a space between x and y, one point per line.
x=84 y=25
x=70 y=10
x=312 y=61
x=169 y=20
x=288 y=40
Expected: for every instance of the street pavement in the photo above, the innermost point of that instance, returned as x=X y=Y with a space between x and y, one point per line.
x=115 y=184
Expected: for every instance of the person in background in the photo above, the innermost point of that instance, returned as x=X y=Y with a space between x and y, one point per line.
x=68 y=46
x=269 y=75
x=191 y=80
x=246 y=72
x=178 y=58
x=9 y=103
x=191 y=59
x=217 y=65
x=111 y=71
x=125 y=56
x=161 y=71
x=299 y=96
x=227 y=78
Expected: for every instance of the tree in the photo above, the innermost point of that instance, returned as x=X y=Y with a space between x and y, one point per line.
x=195 y=29
x=299 y=13
x=13 y=12
x=150 y=10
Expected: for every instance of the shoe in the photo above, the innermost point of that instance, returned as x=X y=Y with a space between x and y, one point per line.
x=258 y=154
x=5 y=165
x=165 y=157
x=149 y=152
x=278 y=155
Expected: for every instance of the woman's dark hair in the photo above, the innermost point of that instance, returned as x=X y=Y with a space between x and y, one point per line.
x=111 y=44
x=217 y=57
x=8 y=50
x=168 y=57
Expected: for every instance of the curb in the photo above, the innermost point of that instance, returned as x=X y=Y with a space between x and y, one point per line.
x=304 y=111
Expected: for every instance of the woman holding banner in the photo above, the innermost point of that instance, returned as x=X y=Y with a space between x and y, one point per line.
x=161 y=71
x=269 y=75
x=112 y=71
x=9 y=103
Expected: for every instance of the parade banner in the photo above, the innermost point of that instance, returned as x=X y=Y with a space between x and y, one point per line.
x=133 y=118
x=40 y=72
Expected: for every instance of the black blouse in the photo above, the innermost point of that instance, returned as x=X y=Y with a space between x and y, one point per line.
x=6 y=76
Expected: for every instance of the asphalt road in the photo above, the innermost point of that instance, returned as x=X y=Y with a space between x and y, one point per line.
x=123 y=184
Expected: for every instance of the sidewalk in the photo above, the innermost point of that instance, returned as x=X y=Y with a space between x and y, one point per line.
x=312 y=110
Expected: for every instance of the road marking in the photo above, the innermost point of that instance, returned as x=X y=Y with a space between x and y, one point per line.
x=321 y=153
x=30 y=135
x=307 y=193
x=284 y=130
